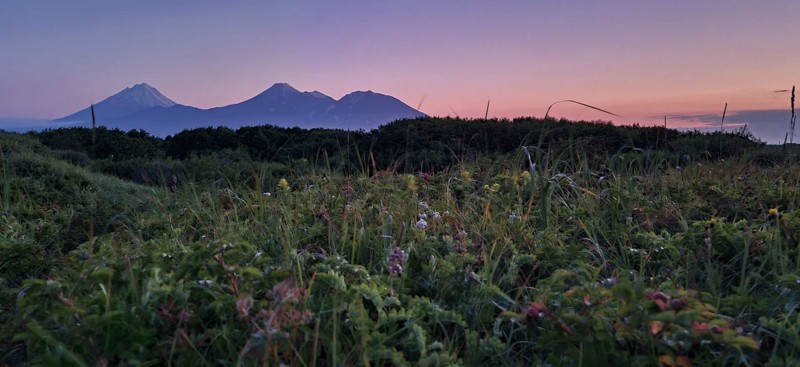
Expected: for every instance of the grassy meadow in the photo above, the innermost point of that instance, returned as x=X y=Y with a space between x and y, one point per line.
x=547 y=253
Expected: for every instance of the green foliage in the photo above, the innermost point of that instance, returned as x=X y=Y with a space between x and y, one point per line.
x=265 y=246
x=110 y=144
x=430 y=144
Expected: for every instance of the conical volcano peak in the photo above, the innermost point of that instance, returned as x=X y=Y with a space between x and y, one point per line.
x=141 y=106
x=129 y=100
x=141 y=95
x=282 y=87
x=141 y=86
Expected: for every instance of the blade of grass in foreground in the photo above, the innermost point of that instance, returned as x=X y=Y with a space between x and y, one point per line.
x=546 y=114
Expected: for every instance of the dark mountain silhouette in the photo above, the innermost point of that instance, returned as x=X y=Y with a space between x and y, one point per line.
x=161 y=121
x=281 y=104
x=143 y=107
x=367 y=110
x=129 y=100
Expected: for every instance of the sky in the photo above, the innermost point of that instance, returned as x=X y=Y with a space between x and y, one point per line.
x=640 y=59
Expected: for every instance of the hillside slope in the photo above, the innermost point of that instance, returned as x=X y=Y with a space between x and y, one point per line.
x=49 y=207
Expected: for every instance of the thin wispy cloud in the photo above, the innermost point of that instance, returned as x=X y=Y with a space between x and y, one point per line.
x=770 y=125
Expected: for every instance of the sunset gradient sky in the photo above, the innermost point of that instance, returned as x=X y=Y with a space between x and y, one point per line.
x=639 y=59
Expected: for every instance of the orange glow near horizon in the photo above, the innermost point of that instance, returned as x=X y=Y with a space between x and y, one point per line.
x=641 y=60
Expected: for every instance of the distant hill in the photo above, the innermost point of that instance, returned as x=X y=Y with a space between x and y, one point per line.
x=280 y=105
x=366 y=110
x=143 y=107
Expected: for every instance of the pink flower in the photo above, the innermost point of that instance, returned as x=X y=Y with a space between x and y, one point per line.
x=243 y=305
x=285 y=292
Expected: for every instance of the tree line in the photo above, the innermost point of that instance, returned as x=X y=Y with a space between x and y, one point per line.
x=406 y=145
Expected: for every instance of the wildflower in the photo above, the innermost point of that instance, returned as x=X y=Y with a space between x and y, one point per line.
x=297 y=318
x=493 y=188
x=774 y=213
x=267 y=194
x=425 y=176
x=411 y=183
x=466 y=176
x=397 y=257
x=422 y=224
x=712 y=222
x=243 y=305
x=424 y=205
x=436 y=215
x=422 y=216
x=283 y=184
x=284 y=292
x=395 y=269
x=525 y=177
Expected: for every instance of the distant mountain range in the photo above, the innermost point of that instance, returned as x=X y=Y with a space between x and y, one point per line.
x=144 y=107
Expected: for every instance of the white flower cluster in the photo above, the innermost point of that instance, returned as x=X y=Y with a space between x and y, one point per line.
x=422 y=222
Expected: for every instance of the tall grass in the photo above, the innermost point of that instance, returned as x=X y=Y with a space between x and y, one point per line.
x=537 y=258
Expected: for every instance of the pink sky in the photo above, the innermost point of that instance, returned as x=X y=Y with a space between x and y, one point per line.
x=639 y=59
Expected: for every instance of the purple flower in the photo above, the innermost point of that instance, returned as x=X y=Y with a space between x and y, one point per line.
x=397 y=257
x=395 y=269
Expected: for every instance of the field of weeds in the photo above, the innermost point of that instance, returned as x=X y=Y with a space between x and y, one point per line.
x=531 y=260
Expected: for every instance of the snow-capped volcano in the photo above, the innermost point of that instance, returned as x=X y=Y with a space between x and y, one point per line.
x=143 y=107
x=129 y=100
x=142 y=95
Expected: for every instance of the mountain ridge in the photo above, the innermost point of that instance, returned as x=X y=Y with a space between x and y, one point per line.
x=144 y=107
x=129 y=100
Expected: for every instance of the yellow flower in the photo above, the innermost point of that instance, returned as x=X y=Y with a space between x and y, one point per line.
x=493 y=188
x=466 y=176
x=411 y=184
x=773 y=212
x=283 y=184
x=712 y=221
x=525 y=177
